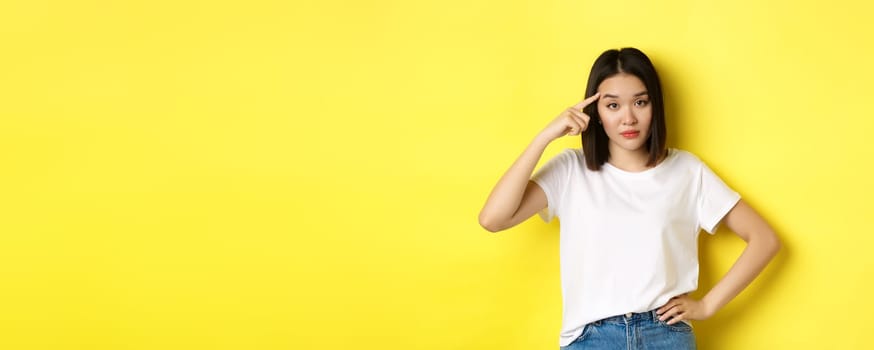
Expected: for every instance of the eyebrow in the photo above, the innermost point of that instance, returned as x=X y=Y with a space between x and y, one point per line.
x=635 y=95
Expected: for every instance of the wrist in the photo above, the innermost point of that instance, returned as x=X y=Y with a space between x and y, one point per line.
x=710 y=306
x=542 y=139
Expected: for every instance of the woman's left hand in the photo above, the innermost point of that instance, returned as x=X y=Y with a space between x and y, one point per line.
x=683 y=307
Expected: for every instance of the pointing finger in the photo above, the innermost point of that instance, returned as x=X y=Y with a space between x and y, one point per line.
x=587 y=101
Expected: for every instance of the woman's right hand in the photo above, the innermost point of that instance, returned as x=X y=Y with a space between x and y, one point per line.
x=571 y=122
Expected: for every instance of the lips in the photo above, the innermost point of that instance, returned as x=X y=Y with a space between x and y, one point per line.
x=630 y=134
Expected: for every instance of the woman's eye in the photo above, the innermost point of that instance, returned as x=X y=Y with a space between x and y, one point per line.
x=612 y=105
x=641 y=103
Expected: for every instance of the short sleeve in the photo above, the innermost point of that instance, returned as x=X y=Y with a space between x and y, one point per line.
x=553 y=178
x=715 y=200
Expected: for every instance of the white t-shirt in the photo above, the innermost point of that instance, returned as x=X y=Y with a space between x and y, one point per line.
x=628 y=240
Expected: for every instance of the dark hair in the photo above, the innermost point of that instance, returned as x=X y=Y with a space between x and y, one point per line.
x=631 y=61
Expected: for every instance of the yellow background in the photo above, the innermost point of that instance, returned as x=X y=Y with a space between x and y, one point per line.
x=308 y=174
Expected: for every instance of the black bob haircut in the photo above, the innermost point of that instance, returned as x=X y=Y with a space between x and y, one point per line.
x=630 y=61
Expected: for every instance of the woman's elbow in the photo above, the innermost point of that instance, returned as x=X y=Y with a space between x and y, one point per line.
x=776 y=245
x=489 y=223
x=771 y=243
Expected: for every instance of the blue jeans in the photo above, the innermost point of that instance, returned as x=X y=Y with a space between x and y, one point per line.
x=632 y=332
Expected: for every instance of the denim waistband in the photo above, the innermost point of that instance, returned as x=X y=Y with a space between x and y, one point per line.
x=631 y=317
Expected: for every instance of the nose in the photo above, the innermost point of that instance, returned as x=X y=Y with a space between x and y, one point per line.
x=628 y=117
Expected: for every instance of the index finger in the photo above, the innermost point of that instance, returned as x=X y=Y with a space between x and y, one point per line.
x=588 y=101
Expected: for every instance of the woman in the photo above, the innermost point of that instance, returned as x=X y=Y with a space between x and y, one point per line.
x=630 y=211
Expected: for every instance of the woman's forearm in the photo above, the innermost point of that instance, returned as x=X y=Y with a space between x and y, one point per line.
x=506 y=196
x=760 y=250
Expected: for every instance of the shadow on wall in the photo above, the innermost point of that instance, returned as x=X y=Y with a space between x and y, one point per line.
x=674 y=112
x=715 y=332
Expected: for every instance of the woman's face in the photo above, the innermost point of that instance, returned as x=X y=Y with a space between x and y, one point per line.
x=626 y=113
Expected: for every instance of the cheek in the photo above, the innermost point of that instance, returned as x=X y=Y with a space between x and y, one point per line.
x=609 y=119
x=646 y=118
x=603 y=113
x=645 y=113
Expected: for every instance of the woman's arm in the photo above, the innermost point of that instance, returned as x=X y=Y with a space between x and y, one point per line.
x=516 y=198
x=762 y=246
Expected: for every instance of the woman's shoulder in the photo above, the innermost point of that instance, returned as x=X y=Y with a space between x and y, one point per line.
x=684 y=157
x=575 y=156
x=570 y=158
x=570 y=154
x=574 y=152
